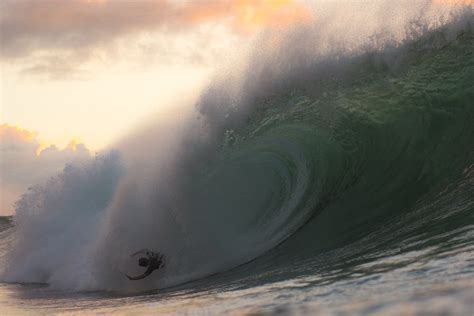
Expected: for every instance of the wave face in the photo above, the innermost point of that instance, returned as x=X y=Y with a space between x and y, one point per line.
x=368 y=153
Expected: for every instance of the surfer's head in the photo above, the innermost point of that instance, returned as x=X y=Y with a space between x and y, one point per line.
x=143 y=262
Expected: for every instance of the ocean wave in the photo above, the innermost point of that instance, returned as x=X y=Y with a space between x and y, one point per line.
x=365 y=153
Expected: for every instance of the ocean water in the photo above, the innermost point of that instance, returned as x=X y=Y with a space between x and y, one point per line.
x=344 y=185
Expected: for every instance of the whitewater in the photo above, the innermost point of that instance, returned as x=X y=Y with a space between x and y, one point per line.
x=324 y=174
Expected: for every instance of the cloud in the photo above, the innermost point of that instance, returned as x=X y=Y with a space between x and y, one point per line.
x=25 y=161
x=28 y=26
x=57 y=37
x=75 y=30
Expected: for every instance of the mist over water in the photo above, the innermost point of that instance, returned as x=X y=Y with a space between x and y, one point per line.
x=346 y=140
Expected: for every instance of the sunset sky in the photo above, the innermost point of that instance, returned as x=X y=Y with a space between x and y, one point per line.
x=89 y=71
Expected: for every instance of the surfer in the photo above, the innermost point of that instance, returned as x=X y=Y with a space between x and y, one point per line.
x=152 y=261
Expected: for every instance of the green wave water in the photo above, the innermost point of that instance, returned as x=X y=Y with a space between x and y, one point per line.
x=385 y=151
x=382 y=143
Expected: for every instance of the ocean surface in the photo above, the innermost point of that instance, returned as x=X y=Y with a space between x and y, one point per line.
x=344 y=185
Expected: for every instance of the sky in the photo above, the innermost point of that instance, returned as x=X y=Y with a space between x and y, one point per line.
x=77 y=75
x=70 y=66
x=86 y=72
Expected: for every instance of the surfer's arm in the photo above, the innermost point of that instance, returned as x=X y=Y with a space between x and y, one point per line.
x=139 y=277
x=145 y=251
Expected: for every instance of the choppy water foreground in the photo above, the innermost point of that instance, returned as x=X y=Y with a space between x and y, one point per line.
x=348 y=187
x=436 y=280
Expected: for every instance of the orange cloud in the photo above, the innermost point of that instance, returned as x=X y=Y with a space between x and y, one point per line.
x=29 y=25
x=247 y=16
x=272 y=13
x=16 y=133
x=455 y=2
x=74 y=144
x=11 y=134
